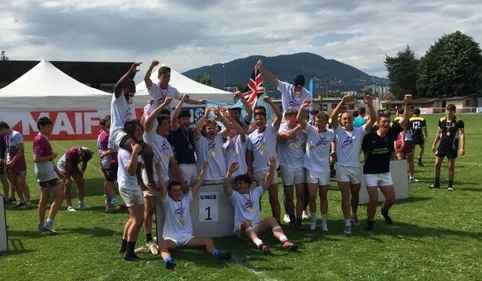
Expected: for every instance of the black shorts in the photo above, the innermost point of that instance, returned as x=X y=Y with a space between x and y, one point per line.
x=449 y=151
x=418 y=140
x=110 y=174
x=1 y=167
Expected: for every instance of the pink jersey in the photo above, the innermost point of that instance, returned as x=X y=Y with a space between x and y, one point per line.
x=43 y=170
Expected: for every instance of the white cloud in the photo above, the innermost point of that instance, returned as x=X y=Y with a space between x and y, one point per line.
x=189 y=33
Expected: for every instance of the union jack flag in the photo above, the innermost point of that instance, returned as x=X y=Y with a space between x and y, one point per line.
x=255 y=87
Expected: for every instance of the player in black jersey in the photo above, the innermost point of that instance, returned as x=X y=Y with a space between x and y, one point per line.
x=450 y=132
x=419 y=133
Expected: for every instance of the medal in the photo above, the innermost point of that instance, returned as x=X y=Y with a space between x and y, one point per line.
x=295 y=145
x=251 y=211
x=448 y=133
x=263 y=148
x=181 y=221
x=213 y=153
x=164 y=157
x=234 y=154
x=189 y=146
x=312 y=147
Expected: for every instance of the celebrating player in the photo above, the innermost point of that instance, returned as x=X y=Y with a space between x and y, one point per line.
x=236 y=111
x=47 y=176
x=405 y=145
x=177 y=225
x=15 y=164
x=348 y=147
x=235 y=147
x=246 y=205
x=419 y=133
x=317 y=162
x=290 y=155
x=68 y=166
x=450 y=130
x=377 y=146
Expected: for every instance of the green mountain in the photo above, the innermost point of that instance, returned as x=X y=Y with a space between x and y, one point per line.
x=340 y=76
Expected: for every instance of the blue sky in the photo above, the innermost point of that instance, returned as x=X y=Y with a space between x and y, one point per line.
x=189 y=33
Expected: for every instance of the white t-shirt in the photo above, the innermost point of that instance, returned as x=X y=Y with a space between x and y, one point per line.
x=235 y=150
x=211 y=150
x=163 y=152
x=263 y=146
x=348 y=145
x=242 y=205
x=14 y=139
x=290 y=152
x=317 y=157
x=125 y=180
x=159 y=95
x=289 y=99
x=121 y=111
x=177 y=224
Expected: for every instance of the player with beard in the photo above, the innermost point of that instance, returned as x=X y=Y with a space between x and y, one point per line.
x=247 y=212
x=209 y=145
x=182 y=141
x=317 y=162
x=122 y=111
x=290 y=155
x=348 y=147
x=450 y=131
x=156 y=130
x=377 y=146
x=15 y=165
x=419 y=132
x=261 y=146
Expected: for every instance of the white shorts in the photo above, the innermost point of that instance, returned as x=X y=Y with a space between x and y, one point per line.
x=375 y=180
x=115 y=138
x=292 y=176
x=189 y=173
x=180 y=241
x=153 y=192
x=131 y=197
x=258 y=177
x=352 y=175
x=321 y=178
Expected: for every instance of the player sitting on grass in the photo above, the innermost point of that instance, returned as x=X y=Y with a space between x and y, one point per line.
x=246 y=205
x=177 y=225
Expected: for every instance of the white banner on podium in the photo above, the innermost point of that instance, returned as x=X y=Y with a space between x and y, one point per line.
x=208 y=206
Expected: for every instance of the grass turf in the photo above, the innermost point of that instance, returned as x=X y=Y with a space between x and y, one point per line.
x=436 y=236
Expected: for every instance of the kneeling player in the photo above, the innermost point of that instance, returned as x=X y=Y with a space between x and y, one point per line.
x=246 y=204
x=69 y=167
x=177 y=225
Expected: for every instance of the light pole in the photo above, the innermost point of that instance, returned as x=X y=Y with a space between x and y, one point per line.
x=224 y=76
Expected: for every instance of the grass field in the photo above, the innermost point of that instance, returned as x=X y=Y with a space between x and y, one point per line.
x=437 y=236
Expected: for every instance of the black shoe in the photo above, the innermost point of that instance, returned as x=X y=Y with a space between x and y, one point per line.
x=131 y=258
x=370 y=225
x=264 y=249
x=434 y=186
x=420 y=164
x=387 y=218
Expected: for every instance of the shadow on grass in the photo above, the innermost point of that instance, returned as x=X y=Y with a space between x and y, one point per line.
x=16 y=248
x=94 y=232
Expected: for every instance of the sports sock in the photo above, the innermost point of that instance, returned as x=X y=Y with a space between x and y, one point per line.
x=50 y=221
x=283 y=238
x=292 y=219
x=323 y=219
x=123 y=247
x=347 y=222
x=130 y=248
x=148 y=237
x=258 y=242
x=313 y=217
x=451 y=183
x=298 y=221
x=437 y=181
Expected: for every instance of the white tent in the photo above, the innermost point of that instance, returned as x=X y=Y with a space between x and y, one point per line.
x=45 y=87
x=186 y=85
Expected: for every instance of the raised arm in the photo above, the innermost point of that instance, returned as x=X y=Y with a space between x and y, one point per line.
x=247 y=107
x=199 y=124
x=129 y=75
x=249 y=162
x=271 y=173
x=160 y=179
x=406 y=114
x=303 y=114
x=154 y=114
x=279 y=116
x=368 y=100
x=188 y=100
x=132 y=166
x=268 y=74
x=177 y=111
x=200 y=178
x=237 y=127
x=286 y=135
x=227 y=125
x=147 y=76
x=233 y=167
x=334 y=114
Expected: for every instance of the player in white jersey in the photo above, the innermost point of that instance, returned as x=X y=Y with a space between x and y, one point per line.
x=317 y=162
x=247 y=213
x=209 y=144
x=261 y=146
x=177 y=232
x=122 y=111
x=290 y=156
x=235 y=147
x=160 y=91
x=348 y=148
x=292 y=95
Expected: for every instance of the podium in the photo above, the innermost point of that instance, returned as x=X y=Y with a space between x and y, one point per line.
x=3 y=227
x=399 y=171
x=212 y=214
